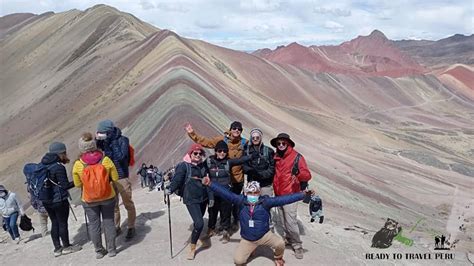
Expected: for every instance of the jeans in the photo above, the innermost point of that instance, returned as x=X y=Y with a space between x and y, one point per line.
x=197 y=212
x=224 y=208
x=59 y=214
x=94 y=213
x=12 y=227
x=237 y=189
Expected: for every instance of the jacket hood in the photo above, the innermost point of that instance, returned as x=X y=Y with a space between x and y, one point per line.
x=116 y=133
x=92 y=157
x=50 y=158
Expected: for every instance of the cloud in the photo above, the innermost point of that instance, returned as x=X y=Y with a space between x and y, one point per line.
x=172 y=7
x=339 y=12
x=334 y=26
x=260 y=5
x=145 y=4
x=210 y=23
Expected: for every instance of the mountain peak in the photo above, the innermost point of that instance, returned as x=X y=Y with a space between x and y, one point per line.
x=377 y=34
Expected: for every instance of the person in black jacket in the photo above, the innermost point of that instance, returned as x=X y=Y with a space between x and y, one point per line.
x=187 y=181
x=219 y=165
x=142 y=172
x=57 y=205
x=262 y=167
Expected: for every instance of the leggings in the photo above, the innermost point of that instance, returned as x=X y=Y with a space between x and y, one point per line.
x=197 y=211
x=59 y=214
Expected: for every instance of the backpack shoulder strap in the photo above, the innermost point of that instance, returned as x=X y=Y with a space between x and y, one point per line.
x=227 y=167
x=295 y=170
x=243 y=141
x=226 y=139
x=265 y=151
x=247 y=152
x=208 y=162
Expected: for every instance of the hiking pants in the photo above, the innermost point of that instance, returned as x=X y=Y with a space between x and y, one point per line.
x=94 y=213
x=224 y=208
x=268 y=191
x=123 y=187
x=197 y=211
x=143 y=181
x=59 y=214
x=237 y=189
x=288 y=215
x=12 y=227
x=43 y=221
x=151 y=182
x=246 y=247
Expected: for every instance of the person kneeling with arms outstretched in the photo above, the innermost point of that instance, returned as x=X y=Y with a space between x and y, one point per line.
x=254 y=211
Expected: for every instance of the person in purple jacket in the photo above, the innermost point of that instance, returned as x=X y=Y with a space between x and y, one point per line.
x=254 y=213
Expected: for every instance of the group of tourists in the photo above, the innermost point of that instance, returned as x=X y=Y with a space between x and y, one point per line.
x=217 y=183
x=274 y=178
x=150 y=177
x=101 y=171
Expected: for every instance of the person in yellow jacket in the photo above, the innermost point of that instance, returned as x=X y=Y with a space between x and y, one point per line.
x=93 y=172
x=236 y=145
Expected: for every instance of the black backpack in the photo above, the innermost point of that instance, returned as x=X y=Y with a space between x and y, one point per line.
x=295 y=170
x=180 y=190
x=25 y=223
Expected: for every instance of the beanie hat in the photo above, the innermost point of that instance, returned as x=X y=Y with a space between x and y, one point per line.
x=87 y=143
x=252 y=186
x=105 y=126
x=236 y=124
x=256 y=131
x=221 y=145
x=196 y=147
x=57 y=147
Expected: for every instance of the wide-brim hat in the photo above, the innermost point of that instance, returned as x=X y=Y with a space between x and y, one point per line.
x=282 y=136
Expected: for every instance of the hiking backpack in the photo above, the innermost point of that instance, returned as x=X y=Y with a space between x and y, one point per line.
x=38 y=182
x=243 y=141
x=95 y=182
x=295 y=170
x=265 y=152
x=131 y=155
x=226 y=167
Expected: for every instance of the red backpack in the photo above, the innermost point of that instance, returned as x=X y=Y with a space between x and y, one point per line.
x=131 y=154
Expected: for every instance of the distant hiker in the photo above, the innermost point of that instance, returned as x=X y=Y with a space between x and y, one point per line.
x=443 y=239
x=254 y=210
x=316 y=209
x=158 y=178
x=142 y=173
x=219 y=166
x=150 y=177
x=187 y=183
x=93 y=173
x=262 y=168
x=117 y=147
x=437 y=241
x=291 y=175
x=10 y=207
x=56 y=203
x=236 y=145
x=36 y=202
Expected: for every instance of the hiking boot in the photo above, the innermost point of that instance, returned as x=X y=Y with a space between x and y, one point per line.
x=299 y=253
x=192 y=252
x=210 y=233
x=225 y=237
x=71 y=249
x=235 y=227
x=118 y=231
x=100 y=254
x=204 y=243
x=58 y=252
x=279 y=262
x=112 y=253
x=130 y=233
x=17 y=240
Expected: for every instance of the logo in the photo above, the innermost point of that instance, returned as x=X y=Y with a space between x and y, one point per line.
x=441 y=243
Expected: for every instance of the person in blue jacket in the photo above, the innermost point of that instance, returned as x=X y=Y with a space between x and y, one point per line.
x=254 y=213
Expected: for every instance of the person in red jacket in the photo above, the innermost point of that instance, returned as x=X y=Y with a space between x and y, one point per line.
x=291 y=176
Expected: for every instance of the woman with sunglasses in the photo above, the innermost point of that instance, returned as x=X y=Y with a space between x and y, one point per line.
x=219 y=166
x=188 y=176
x=287 y=181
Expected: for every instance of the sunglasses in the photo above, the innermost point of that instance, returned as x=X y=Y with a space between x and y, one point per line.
x=256 y=137
x=237 y=128
x=197 y=153
x=221 y=151
x=281 y=143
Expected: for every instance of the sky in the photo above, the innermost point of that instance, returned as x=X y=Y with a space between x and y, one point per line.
x=253 y=24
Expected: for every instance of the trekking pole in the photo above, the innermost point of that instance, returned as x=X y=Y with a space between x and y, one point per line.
x=87 y=226
x=169 y=224
x=73 y=214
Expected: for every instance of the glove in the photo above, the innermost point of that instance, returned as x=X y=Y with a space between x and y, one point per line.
x=211 y=203
x=303 y=185
x=312 y=220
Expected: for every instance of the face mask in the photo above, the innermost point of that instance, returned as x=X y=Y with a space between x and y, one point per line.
x=101 y=136
x=252 y=199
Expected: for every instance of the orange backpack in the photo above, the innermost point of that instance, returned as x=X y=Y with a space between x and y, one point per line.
x=131 y=153
x=95 y=183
